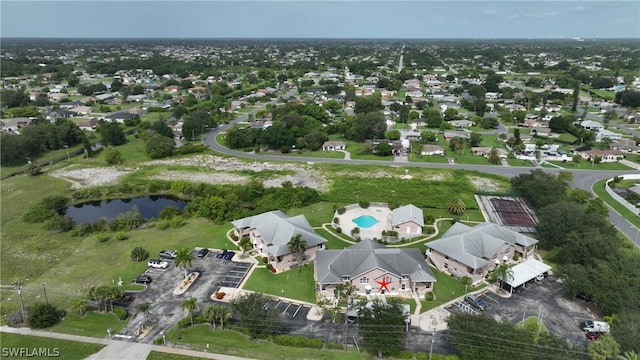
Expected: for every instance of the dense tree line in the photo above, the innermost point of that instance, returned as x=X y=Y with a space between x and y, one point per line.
x=37 y=138
x=221 y=204
x=591 y=257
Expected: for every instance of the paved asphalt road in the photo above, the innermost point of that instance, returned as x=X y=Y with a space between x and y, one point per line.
x=583 y=179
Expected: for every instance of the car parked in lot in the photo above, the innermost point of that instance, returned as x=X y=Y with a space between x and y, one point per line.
x=229 y=255
x=475 y=302
x=158 y=264
x=168 y=254
x=221 y=254
x=142 y=279
x=203 y=252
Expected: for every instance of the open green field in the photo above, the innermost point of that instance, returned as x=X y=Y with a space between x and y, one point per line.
x=157 y=355
x=294 y=284
x=317 y=154
x=92 y=324
x=201 y=337
x=584 y=164
x=66 y=349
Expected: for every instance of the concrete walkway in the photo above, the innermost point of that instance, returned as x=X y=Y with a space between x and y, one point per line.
x=347 y=155
x=116 y=349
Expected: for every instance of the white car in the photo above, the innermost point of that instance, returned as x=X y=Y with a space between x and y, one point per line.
x=158 y=264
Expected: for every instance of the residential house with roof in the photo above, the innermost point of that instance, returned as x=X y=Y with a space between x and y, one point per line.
x=271 y=232
x=628 y=145
x=591 y=125
x=606 y=155
x=430 y=150
x=476 y=251
x=334 y=145
x=372 y=268
x=603 y=134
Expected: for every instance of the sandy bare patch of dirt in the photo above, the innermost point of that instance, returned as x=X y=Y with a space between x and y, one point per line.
x=85 y=177
x=484 y=184
x=303 y=175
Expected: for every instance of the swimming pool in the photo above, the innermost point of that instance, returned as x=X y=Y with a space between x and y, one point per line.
x=365 y=221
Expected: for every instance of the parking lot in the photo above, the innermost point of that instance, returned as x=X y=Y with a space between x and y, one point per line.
x=560 y=315
x=289 y=310
x=166 y=308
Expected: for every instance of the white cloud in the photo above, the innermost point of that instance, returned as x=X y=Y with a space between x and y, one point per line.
x=580 y=8
x=533 y=15
x=489 y=12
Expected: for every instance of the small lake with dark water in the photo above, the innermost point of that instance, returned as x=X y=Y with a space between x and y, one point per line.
x=148 y=206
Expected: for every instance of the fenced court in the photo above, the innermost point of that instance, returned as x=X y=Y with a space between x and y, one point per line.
x=512 y=212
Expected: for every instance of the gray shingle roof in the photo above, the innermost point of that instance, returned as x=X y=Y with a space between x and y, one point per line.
x=472 y=245
x=277 y=229
x=407 y=213
x=367 y=255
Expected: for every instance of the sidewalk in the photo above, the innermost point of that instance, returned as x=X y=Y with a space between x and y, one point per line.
x=116 y=349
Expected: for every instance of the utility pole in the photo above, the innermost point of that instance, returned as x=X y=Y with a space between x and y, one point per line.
x=24 y=314
x=45 y=292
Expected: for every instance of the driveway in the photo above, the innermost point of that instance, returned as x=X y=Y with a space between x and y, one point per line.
x=560 y=315
x=166 y=308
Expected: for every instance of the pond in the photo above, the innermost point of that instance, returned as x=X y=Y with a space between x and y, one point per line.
x=148 y=206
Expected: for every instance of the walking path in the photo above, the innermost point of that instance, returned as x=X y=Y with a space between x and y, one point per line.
x=117 y=349
x=347 y=155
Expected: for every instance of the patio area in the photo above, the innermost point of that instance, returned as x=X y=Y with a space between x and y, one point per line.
x=379 y=211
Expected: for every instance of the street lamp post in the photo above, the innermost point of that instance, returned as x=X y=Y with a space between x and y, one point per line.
x=44 y=288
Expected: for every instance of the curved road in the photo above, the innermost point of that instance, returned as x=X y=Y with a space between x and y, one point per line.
x=583 y=179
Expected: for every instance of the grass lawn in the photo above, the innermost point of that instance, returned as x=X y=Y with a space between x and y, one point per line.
x=72 y=264
x=445 y=289
x=518 y=162
x=598 y=188
x=66 y=349
x=157 y=355
x=236 y=344
x=245 y=110
x=533 y=324
x=318 y=154
x=333 y=243
x=92 y=324
x=293 y=284
x=567 y=138
x=317 y=214
x=584 y=164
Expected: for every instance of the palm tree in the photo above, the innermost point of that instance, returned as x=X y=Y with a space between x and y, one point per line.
x=494 y=158
x=245 y=244
x=629 y=355
x=183 y=259
x=142 y=308
x=297 y=245
x=190 y=305
x=79 y=304
x=457 y=207
x=505 y=273
x=223 y=314
x=209 y=314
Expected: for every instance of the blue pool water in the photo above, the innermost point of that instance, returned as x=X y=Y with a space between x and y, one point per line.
x=365 y=221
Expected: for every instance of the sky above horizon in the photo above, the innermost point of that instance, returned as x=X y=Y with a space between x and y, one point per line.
x=415 y=19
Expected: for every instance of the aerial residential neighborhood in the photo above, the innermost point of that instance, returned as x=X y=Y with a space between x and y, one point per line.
x=218 y=191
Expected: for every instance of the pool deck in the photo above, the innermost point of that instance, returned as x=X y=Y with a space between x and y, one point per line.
x=382 y=214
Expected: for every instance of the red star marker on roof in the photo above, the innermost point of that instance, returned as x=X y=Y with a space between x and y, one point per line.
x=383 y=284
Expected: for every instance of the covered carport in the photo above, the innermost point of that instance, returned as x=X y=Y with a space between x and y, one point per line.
x=525 y=272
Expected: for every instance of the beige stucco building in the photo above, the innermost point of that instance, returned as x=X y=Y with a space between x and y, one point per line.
x=271 y=232
x=372 y=268
x=476 y=251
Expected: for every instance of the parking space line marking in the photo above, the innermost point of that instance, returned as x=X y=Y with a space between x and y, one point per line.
x=277 y=304
x=490 y=298
x=296 y=313
x=287 y=308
